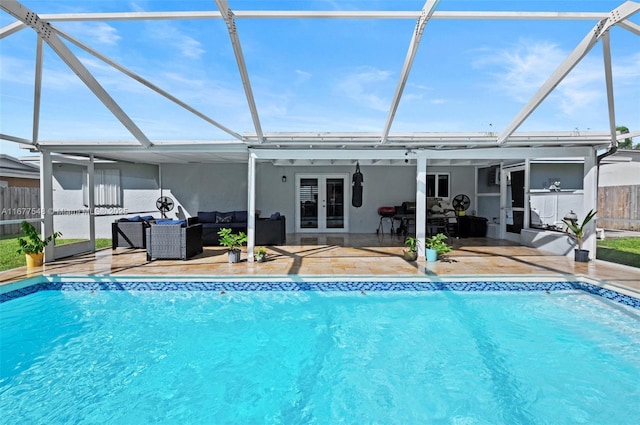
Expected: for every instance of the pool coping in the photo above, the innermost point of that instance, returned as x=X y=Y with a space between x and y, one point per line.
x=620 y=295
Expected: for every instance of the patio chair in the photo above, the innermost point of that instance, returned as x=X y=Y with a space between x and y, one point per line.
x=271 y=231
x=128 y=234
x=437 y=225
x=173 y=241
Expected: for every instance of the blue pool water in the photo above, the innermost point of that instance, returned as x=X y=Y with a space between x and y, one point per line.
x=315 y=357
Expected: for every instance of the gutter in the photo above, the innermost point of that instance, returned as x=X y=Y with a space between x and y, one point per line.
x=613 y=149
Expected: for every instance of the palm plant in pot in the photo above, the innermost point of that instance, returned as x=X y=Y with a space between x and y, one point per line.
x=233 y=242
x=32 y=245
x=571 y=220
x=436 y=245
x=411 y=252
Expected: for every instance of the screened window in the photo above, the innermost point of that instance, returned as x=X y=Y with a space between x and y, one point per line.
x=107 y=189
x=438 y=185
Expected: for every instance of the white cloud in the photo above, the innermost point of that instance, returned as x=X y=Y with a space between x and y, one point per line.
x=362 y=85
x=170 y=34
x=302 y=76
x=94 y=32
x=16 y=70
x=522 y=69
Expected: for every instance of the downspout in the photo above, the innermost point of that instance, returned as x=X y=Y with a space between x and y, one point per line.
x=612 y=149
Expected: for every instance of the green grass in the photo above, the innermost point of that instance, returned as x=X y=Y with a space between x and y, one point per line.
x=11 y=259
x=620 y=250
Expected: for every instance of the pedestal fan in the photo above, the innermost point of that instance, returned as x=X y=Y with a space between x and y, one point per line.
x=460 y=204
x=164 y=204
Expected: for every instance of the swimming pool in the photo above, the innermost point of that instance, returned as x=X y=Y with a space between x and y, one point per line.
x=132 y=351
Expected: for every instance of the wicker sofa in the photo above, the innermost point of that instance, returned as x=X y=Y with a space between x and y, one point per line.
x=130 y=232
x=173 y=240
x=269 y=231
x=213 y=221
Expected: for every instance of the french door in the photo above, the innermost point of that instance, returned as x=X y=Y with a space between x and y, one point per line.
x=515 y=203
x=321 y=203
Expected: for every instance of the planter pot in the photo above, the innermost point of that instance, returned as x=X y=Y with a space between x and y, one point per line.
x=410 y=255
x=234 y=256
x=581 y=255
x=431 y=254
x=261 y=258
x=34 y=260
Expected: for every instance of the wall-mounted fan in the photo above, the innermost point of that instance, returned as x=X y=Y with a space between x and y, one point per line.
x=461 y=203
x=164 y=204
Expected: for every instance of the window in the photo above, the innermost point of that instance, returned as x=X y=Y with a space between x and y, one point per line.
x=107 y=191
x=438 y=185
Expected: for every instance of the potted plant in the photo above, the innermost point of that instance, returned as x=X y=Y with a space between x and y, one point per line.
x=436 y=245
x=411 y=253
x=233 y=242
x=571 y=220
x=260 y=254
x=32 y=245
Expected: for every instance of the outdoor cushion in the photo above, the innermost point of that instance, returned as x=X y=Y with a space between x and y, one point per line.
x=240 y=216
x=275 y=216
x=147 y=218
x=207 y=216
x=164 y=222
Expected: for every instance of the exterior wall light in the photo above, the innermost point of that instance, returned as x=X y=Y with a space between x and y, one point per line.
x=284 y=179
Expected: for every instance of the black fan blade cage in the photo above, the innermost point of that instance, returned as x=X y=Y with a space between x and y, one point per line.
x=461 y=202
x=164 y=204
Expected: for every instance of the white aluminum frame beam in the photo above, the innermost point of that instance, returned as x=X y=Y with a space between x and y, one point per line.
x=229 y=19
x=146 y=83
x=629 y=135
x=318 y=14
x=37 y=91
x=427 y=10
x=369 y=154
x=616 y=16
x=631 y=26
x=15 y=139
x=608 y=77
x=45 y=31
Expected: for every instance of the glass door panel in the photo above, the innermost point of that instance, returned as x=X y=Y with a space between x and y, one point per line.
x=335 y=203
x=320 y=201
x=308 y=203
x=515 y=202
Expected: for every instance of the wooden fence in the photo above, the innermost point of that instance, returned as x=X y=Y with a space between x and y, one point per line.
x=619 y=207
x=17 y=203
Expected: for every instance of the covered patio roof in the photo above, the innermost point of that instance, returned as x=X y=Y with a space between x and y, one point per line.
x=229 y=142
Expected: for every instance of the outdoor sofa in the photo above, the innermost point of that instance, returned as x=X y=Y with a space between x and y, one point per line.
x=213 y=221
x=269 y=231
x=173 y=239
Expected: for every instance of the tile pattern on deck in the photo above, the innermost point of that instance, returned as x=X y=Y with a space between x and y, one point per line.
x=344 y=256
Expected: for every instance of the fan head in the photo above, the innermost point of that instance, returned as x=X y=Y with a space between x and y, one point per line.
x=461 y=202
x=164 y=204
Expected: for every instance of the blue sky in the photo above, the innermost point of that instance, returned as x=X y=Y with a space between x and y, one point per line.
x=317 y=75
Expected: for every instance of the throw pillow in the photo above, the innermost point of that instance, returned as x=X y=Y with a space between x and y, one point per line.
x=224 y=219
x=275 y=216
